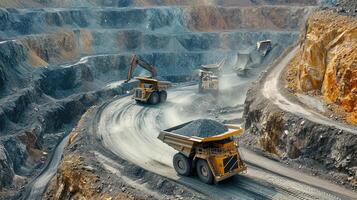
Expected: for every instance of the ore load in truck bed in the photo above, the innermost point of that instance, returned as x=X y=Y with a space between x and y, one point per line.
x=202 y=128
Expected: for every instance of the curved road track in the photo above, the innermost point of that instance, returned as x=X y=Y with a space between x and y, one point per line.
x=271 y=90
x=40 y=183
x=130 y=130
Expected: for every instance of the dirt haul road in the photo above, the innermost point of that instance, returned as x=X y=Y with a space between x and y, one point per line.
x=272 y=91
x=130 y=131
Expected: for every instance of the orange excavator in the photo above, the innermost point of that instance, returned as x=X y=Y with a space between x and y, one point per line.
x=150 y=90
x=135 y=61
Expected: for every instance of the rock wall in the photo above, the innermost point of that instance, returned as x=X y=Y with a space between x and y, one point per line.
x=161 y=19
x=321 y=149
x=6 y=167
x=328 y=60
x=12 y=54
x=212 y=18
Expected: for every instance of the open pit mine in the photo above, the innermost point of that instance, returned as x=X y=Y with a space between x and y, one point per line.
x=178 y=99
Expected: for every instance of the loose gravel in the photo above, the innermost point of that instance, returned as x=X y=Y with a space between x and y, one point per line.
x=202 y=128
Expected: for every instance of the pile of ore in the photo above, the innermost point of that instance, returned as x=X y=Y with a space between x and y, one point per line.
x=202 y=128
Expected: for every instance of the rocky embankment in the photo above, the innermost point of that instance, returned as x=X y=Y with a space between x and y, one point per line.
x=324 y=65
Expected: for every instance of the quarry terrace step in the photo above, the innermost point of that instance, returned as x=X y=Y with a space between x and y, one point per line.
x=142 y=33
x=107 y=41
x=166 y=19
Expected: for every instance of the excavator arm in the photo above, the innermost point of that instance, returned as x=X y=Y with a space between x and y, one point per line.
x=135 y=61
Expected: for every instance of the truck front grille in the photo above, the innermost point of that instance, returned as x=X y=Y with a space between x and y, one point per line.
x=138 y=93
x=230 y=163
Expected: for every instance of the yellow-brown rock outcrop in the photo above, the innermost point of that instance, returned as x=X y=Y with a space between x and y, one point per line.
x=327 y=61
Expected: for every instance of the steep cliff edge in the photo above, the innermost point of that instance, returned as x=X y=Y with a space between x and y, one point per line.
x=294 y=131
x=326 y=64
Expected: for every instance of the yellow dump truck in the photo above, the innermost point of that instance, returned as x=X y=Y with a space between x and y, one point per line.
x=264 y=47
x=208 y=82
x=151 y=91
x=209 y=78
x=213 y=158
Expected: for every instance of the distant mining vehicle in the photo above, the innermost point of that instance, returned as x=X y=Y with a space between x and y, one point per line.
x=150 y=90
x=209 y=78
x=214 y=157
x=245 y=62
x=242 y=72
x=242 y=66
x=264 y=47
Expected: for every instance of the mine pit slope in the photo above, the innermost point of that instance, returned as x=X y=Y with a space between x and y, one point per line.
x=58 y=58
x=285 y=110
x=272 y=91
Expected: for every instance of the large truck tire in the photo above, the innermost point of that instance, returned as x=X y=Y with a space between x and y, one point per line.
x=163 y=96
x=204 y=172
x=200 y=89
x=182 y=164
x=154 y=98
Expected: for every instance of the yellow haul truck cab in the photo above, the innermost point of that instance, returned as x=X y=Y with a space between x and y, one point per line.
x=214 y=158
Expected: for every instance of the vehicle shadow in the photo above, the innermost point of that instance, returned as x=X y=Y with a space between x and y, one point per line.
x=236 y=187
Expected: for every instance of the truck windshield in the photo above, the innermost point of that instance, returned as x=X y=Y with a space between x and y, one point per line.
x=147 y=85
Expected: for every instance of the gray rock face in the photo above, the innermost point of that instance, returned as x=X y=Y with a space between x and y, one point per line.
x=347 y=7
x=16 y=153
x=4 y=18
x=343 y=7
x=202 y=128
x=12 y=54
x=2 y=79
x=6 y=172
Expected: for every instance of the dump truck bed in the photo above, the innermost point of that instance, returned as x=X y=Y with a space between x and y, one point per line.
x=152 y=81
x=185 y=144
x=215 y=157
